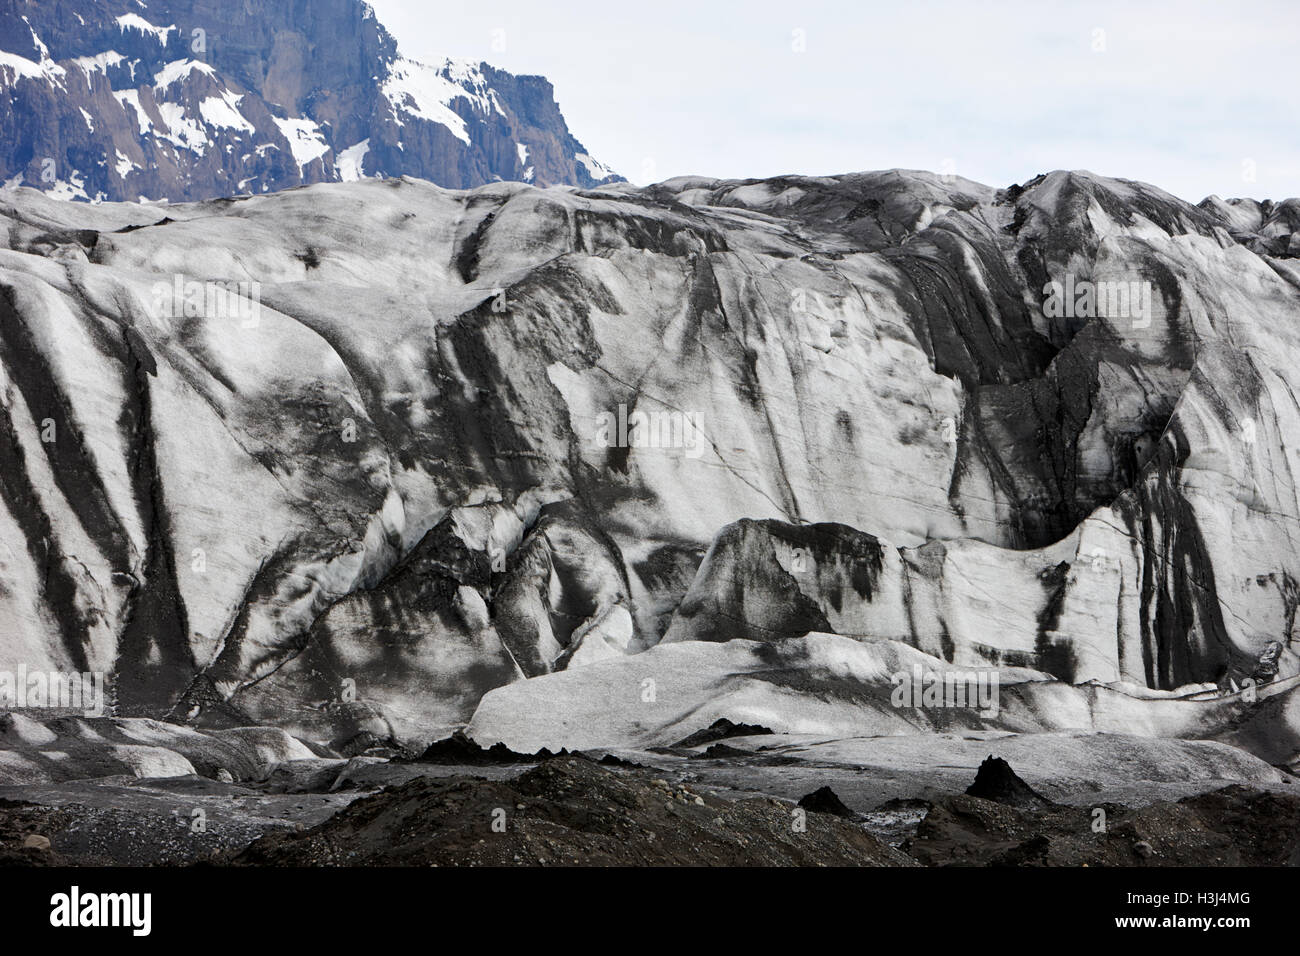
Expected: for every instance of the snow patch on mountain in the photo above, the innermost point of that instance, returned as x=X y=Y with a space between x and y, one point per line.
x=123 y=165
x=305 y=139
x=350 y=162
x=427 y=92
x=133 y=21
x=131 y=99
x=21 y=67
x=223 y=111
x=182 y=129
x=41 y=48
x=178 y=70
x=99 y=63
x=595 y=168
x=74 y=187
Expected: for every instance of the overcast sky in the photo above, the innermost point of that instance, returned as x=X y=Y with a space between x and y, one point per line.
x=1197 y=98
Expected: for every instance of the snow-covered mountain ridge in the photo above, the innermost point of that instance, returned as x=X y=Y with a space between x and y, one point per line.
x=182 y=100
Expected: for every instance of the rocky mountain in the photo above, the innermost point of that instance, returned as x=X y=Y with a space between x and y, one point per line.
x=373 y=461
x=185 y=100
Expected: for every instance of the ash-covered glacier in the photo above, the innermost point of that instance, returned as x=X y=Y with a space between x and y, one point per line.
x=372 y=462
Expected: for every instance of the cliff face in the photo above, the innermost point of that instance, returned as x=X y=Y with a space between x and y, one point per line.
x=349 y=458
x=189 y=99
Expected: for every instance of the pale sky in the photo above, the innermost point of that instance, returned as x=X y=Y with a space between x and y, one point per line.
x=1194 y=97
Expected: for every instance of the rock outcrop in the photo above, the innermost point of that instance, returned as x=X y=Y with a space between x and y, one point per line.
x=567 y=812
